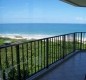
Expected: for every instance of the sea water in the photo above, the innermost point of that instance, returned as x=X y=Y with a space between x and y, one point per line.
x=40 y=29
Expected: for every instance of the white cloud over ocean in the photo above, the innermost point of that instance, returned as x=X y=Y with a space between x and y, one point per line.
x=81 y=19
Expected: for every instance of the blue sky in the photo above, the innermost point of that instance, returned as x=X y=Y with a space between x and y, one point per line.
x=40 y=11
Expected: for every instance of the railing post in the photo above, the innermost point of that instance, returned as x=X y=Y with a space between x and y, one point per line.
x=0 y=59
x=18 y=62
x=74 y=42
x=4 y=76
x=47 y=52
x=64 y=46
x=81 y=42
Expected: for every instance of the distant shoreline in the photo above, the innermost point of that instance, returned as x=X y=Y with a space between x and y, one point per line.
x=24 y=36
x=30 y=36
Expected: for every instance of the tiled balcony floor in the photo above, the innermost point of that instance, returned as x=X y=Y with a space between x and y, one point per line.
x=72 y=69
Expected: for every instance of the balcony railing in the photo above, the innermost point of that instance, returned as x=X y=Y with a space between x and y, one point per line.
x=22 y=60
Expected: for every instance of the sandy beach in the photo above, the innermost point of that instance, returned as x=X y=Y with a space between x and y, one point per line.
x=24 y=36
x=34 y=36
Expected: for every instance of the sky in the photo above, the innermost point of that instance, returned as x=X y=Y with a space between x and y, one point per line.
x=40 y=11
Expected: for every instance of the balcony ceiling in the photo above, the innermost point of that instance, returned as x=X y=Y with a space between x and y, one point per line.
x=80 y=3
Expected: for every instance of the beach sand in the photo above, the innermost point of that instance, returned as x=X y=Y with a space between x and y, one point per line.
x=35 y=36
x=24 y=36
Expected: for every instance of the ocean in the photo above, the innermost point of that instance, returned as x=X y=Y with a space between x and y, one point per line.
x=41 y=29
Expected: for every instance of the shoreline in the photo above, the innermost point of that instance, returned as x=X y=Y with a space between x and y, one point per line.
x=25 y=36
x=30 y=36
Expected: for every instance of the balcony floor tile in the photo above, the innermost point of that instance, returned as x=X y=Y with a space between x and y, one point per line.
x=72 y=69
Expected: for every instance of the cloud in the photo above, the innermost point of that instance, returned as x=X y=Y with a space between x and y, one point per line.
x=81 y=19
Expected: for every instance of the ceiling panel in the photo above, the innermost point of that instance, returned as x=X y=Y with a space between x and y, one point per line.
x=81 y=3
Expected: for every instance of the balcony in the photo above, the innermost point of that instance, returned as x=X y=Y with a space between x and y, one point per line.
x=72 y=69
x=59 y=57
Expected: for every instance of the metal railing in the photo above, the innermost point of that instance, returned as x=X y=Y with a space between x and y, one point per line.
x=22 y=60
